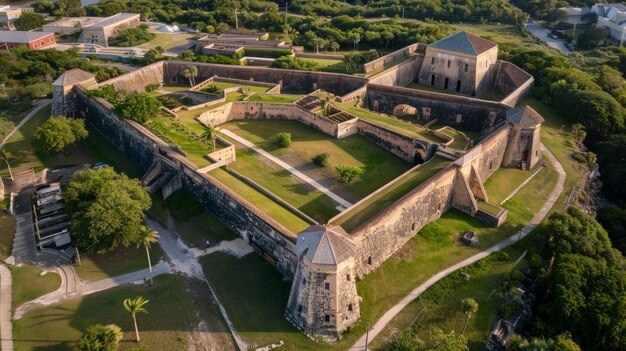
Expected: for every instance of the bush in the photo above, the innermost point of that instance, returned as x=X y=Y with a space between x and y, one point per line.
x=284 y=139
x=347 y=173
x=151 y=87
x=59 y=134
x=267 y=53
x=132 y=36
x=321 y=159
x=290 y=62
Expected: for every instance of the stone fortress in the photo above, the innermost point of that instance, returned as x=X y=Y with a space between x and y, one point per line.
x=325 y=260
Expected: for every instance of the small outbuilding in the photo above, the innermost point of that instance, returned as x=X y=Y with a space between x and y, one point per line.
x=470 y=238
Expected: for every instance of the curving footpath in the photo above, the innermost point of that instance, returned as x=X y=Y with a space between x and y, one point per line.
x=534 y=222
x=40 y=104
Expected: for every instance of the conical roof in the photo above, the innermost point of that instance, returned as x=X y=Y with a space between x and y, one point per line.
x=464 y=42
x=524 y=116
x=73 y=76
x=324 y=245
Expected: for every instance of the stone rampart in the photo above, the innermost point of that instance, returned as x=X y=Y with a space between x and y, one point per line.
x=392 y=141
x=399 y=75
x=319 y=56
x=136 y=81
x=462 y=111
x=231 y=209
x=492 y=149
x=514 y=82
x=382 y=61
x=291 y=81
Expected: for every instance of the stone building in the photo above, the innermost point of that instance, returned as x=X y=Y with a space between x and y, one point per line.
x=323 y=300
x=94 y=30
x=524 y=139
x=63 y=103
x=462 y=62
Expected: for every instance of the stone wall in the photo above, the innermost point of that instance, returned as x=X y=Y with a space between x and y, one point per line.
x=291 y=81
x=402 y=74
x=382 y=61
x=392 y=141
x=461 y=111
x=489 y=153
x=514 y=82
x=319 y=56
x=136 y=81
x=231 y=209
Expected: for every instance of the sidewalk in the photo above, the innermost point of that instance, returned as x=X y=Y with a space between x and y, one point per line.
x=40 y=104
x=6 y=326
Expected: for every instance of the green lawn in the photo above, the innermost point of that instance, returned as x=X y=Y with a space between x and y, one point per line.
x=246 y=87
x=177 y=305
x=167 y=41
x=29 y=285
x=283 y=184
x=351 y=219
x=7 y=231
x=327 y=65
x=120 y=261
x=393 y=123
x=458 y=142
x=503 y=181
x=174 y=132
x=279 y=213
x=380 y=166
x=273 y=98
x=489 y=208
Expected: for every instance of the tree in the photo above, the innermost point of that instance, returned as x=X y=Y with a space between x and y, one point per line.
x=59 y=134
x=106 y=209
x=221 y=28
x=6 y=155
x=291 y=62
x=321 y=159
x=593 y=36
x=100 y=337
x=133 y=306
x=470 y=306
x=284 y=139
x=347 y=173
x=29 y=21
x=209 y=134
x=439 y=340
x=334 y=46
x=191 y=72
x=578 y=131
x=187 y=55
x=138 y=107
x=146 y=238
x=154 y=54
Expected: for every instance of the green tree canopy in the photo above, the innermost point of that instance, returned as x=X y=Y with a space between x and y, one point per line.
x=107 y=209
x=29 y=21
x=100 y=337
x=347 y=173
x=58 y=134
x=138 y=107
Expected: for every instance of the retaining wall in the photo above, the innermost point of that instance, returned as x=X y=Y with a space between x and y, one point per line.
x=381 y=61
x=401 y=74
x=514 y=82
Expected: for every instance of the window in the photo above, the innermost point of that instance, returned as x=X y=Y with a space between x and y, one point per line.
x=413 y=226
x=303 y=281
x=299 y=308
x=369 y=260
x=490 y=165
x=327 y=318
x=251 y=108
x=348 y=278
x=448 y=63
x=458 y=86
x=327 y=286
x=42 y=43
x=432 y=60
x=466 y=67
x=445 y=83
x=350 y=307
x=432 y=80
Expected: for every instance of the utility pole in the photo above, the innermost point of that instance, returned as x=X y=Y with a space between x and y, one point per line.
x=236 y=20
x=286 y=9
x=402 y=13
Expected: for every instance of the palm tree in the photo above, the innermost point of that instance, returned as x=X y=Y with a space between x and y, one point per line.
x=191 y=72
x=470 y=306
x=133 y=306
x=209 y=134
x=6 y=155
x=334 y=45
x=146 y=237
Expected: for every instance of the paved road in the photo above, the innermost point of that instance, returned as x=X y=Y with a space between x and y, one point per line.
x=288 y=167
x=40 y=104
x=6 y=326
x=534 y=222
x=542 y=33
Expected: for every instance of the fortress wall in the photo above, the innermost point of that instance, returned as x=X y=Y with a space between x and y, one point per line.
x=491 y=153
x=216 y=116
x=347 y=128
x=234 y=211
x=465 y=112
x=392 y=141
x=514 y=82
x=382 y=61
x=381 y=236
x=292 y=81
x=402 y=74
x=136 y=81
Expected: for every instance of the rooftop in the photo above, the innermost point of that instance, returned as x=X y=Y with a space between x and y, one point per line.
x=464 y=42
x=120 y=17
x=324 y=245
x=21 y=37
x=73 y=76
x=524 y=116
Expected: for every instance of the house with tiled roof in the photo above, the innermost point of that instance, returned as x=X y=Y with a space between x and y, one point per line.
x=462 y=62
x=33 y=40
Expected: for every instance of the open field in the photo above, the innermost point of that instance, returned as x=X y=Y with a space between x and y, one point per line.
x=396 y=124
x=177 y=305
x=220 y=86
x=351 y=219
x=273 y=98
x=167 y=41
x=327 y=65
x=380 y=166
x=120 y=261
x=283 y=184
x=279 y=213
x=29 y=285
x=503 y=181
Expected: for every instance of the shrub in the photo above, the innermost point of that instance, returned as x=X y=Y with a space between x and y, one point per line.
x=284 y=139
x=347 y=173
x=138 y=107
x=151 y=87
x=322 y=159
x=59 y=134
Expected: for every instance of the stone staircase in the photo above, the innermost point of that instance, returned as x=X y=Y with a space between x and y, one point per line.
x=155 y=177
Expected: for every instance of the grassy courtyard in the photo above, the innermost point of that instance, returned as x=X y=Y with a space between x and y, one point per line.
x=218 y=87
x=273 y=98
x=37 y=285
x=175 y=133
x=176 y=309
x=351 y=219
x=327 y=65
x=380 y=166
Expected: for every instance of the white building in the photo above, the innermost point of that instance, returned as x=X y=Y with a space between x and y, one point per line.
x=575 y=14
x=612 y=16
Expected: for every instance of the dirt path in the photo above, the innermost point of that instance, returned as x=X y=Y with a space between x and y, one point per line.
x=415 y=293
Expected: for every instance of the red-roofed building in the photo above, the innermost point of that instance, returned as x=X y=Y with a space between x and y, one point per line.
x=34 y=40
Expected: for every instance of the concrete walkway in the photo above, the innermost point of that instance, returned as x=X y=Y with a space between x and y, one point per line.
x=40 y=104
x=288 y=167
x=6 y=326
x=62 y=293
x=534 y=222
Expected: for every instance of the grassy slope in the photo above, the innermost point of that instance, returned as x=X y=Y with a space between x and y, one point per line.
x=37 y=285
x=173 y=312
x=173 y=131
x=117 y=262
x=351 y=220
x=380 y=166
x=274 y=98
